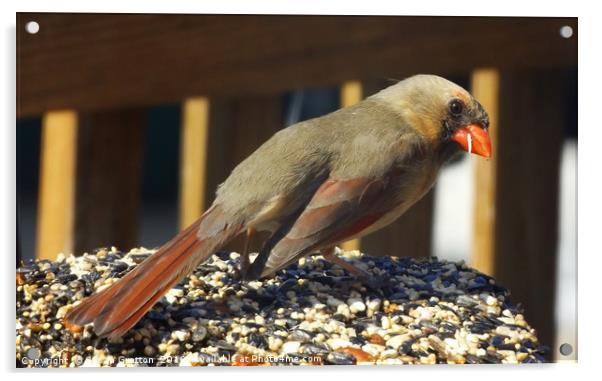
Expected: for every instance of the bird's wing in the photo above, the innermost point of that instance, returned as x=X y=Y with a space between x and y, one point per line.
x=339 y=209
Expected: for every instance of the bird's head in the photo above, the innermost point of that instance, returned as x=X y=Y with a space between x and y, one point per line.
x=442 y=111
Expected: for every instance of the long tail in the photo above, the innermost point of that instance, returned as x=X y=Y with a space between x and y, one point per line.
x=116 y=309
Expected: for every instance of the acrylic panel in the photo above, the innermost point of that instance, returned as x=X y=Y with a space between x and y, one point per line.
x=295 y=190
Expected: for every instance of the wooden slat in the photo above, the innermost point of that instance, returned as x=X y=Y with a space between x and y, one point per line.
x=193 y=159
x=57 y=184
x=532 y=114
x=485 y=87
x=351 y=93
x=96 y=61
x=238 y=126
x=108 y=181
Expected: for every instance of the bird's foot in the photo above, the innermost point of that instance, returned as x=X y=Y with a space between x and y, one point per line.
x=331 y=254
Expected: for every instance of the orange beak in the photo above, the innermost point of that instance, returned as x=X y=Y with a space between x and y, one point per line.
x=473 y=139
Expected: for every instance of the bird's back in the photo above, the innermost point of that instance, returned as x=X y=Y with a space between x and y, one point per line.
x=296 y=160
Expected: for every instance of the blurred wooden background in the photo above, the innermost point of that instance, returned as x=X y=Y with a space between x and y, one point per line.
x=90 y=76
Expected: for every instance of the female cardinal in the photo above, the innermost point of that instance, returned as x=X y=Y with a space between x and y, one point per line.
x=312 y=186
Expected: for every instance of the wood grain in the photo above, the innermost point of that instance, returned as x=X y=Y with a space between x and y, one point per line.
x=351 y=93
x=108 y=180
x=97 y=61
x=485 y=85
x=193 y=159
x=532 y=116
x=57 y=184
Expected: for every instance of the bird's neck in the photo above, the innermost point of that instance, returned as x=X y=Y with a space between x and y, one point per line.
x=448 y=151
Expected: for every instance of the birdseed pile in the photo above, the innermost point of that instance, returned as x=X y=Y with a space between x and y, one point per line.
x=311 y=313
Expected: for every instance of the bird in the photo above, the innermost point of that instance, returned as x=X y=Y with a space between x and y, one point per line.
x=311 y=186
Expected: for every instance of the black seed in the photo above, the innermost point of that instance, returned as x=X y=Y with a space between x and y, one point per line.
x=327 y=280
x=180 y=314
x=427 y=326
x=496 y=341
x=287 y=285
x=156 y=316
x=223 y=345
x=472 y=359
x=449 y=326
x=249 y=308
x=257 y=340
x=315 y=349
x=493 y=357
x=406 y=347
x=301 y=335
x=529 y=344
x=494 y=320
x=263 y=300
x=446 y=335
x=514 y=326
x=340 y=358
x=291 y=323
x=138 y=258
x=64 y=279
x=358 y=340
x=119 y=266
x=398 y=297
x=466 y=301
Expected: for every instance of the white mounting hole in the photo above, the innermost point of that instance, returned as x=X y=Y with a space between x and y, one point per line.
x=32 y=27
x=566 y=32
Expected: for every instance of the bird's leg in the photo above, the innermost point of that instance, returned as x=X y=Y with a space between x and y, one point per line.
x=244 y=256
x=375 y=282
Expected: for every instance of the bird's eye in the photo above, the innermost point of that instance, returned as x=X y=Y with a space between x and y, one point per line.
x=456 y=107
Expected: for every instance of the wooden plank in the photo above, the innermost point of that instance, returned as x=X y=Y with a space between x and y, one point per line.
x=57 y=184
x=485 y=85
x=238 y=126
x=193 y=159
x=532 y=115
x=109 y=166
x=351 y=93
x=96 y=61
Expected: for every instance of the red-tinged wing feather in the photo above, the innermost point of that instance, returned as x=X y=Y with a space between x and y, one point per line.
x=117 y=308
x=338 y=210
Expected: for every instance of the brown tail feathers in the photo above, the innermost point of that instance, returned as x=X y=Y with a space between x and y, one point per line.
x=117 y=308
